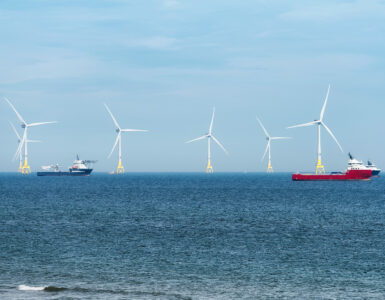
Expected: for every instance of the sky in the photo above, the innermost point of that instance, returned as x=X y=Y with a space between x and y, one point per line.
x=163 y=65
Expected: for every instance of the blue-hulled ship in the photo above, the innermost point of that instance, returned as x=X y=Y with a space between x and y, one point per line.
x=79 y=168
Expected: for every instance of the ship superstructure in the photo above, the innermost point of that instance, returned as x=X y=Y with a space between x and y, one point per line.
x=355 y=164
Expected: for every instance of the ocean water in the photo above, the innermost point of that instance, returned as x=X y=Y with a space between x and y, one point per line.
x=191 y=236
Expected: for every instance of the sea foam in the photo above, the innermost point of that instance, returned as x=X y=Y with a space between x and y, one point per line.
x=23 y=287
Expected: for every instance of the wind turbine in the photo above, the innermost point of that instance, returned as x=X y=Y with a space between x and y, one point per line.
x=268 y=146
x=26 y=169
x=120 y=168
x=19 y=141
x=209 y=136
x=320 y=168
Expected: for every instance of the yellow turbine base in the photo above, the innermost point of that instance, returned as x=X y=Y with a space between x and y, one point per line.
x=319 y=168
x=120 y=168
x=269 y=169
x=20 y=170
x=26 y=168
x=209 y=168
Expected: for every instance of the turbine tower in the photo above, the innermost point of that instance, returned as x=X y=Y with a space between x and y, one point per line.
x=268 y=146
x=120 y=168
x=209 y=136
x=320 y=123
x=26 y=169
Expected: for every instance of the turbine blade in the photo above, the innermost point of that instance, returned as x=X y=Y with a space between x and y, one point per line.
x=200 y=138
x=280 y=138
x=133 y=130
x=267 y=148
x=14 y=109
x=303 y=125
x=113 y=148
x=14 y=129
x=33 y=141
x=331 y=133
x=264 y=129
x=17 y=152
x=212 y=121
x=112 y=116
x=41 y=123
x=20 y=147
x=220 y=145
x=324 y=106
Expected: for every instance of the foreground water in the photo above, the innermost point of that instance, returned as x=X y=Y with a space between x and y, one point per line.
x=190 y=236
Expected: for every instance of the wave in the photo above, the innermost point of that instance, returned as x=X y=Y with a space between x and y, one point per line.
x=49 y=288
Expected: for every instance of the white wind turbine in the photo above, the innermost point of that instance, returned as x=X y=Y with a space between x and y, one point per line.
x=209 y=136
x=320 y=168
x=268 y=146
x=19 y=141
x=120 y=168
x=26 y=169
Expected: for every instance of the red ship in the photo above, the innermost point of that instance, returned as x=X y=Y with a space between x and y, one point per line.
x=356 y=171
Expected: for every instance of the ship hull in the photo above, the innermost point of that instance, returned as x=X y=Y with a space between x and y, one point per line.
x=349 y=175
x=375 y=172
x=85 y=172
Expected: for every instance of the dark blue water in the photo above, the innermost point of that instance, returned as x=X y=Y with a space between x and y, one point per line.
x=190 y=236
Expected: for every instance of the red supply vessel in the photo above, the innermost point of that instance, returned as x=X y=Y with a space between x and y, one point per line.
x=356 y=171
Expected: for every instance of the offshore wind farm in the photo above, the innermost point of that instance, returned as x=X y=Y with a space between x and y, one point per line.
x=280 y=196
x=356 y=169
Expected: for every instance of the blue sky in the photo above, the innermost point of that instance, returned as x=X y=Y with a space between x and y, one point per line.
x=163 y=64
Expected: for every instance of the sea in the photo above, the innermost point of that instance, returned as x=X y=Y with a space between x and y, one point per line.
x=190 y=236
